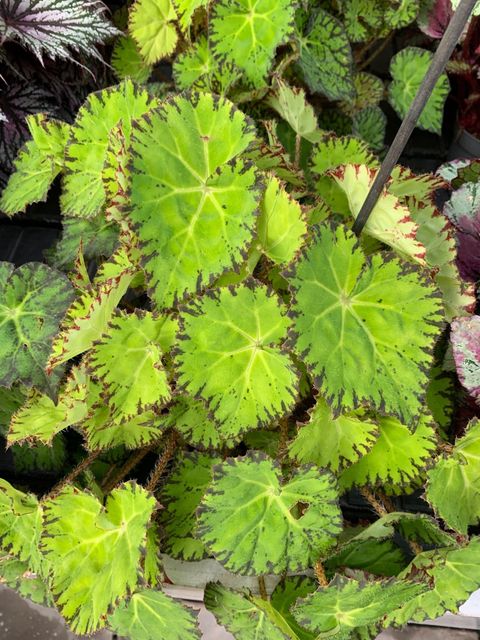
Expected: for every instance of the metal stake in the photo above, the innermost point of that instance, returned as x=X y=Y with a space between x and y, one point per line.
x=439 y=61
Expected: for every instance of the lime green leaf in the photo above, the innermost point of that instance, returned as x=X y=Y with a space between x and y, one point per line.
x=453 y=487
x=451 y=575
x=186 y=162
x=408 y=68
x=40 y=419
x=16 y=575
x=191 y=418
x=151 y=25
x=294 y=521
x=347 y=604
x=333 y=152
x=333 y=442
x=438 y=238
x=38 y=162
x=248 y=32
x=245 y=616
x=411 y=526
x=404 y=183
x=356 y=306
x=362 y=18
x=370 y=124
x=21 y=526
x=128 y=362
x=390 y=221
x=284 y=596
x=290 y=103
x=186 y=9
x=96 y=237
x=152 y=564
x=198 y=68
x=229 y=355
x=104 y=430
x=180 y=497
x=282 y=227
x=152 y=615
x=326 y=57
x=33 y=301
x=127 y=61
x=397 y=458
x=83 y=191
x=94 y=551
x=401 y=13
x=88 y=316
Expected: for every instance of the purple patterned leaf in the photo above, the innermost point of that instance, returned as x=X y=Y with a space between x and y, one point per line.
x=463 y=210
x=55 y=27
x=466 y=351
x=434 y=17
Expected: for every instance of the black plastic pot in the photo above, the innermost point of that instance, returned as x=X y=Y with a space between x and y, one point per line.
x=464 y=145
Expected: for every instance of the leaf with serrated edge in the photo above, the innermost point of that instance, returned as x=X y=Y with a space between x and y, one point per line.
x=83 y=191
x=408 y=69
x=152 y=615
x=248 y=32
x=326 y=57
x=229 y=355
x=151 y=25
x=243 y=615
x=186 y=9
x=185 y=160
x=127 y=360
x=282 y=227
x=347 y=604
x=284 y=596
x=37 y=164
x=390 y=221
x=198 y=68
x=33 y=301
x=103 y=430
x=127 y=61
x=254 y=523
x=56 y=28
x=396 y=459
x=94 y=551
x=190 y=417
x=88 y=316
x=451 y=575
x=290 y=103
x=180 y=497
x=453 y=487
x=355 y=305
x=40 y=419
x=333 y=442
x=21 y=526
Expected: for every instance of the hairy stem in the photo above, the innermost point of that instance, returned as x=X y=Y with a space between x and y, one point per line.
x=298 y=146
x=282 y=445
x=163 y=460
x=320 y=574
x=262 y=588
x=111 y=480
x=373 y=502
x=76 y=471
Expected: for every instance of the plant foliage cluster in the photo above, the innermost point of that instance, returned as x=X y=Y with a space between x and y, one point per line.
x=209 y=318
